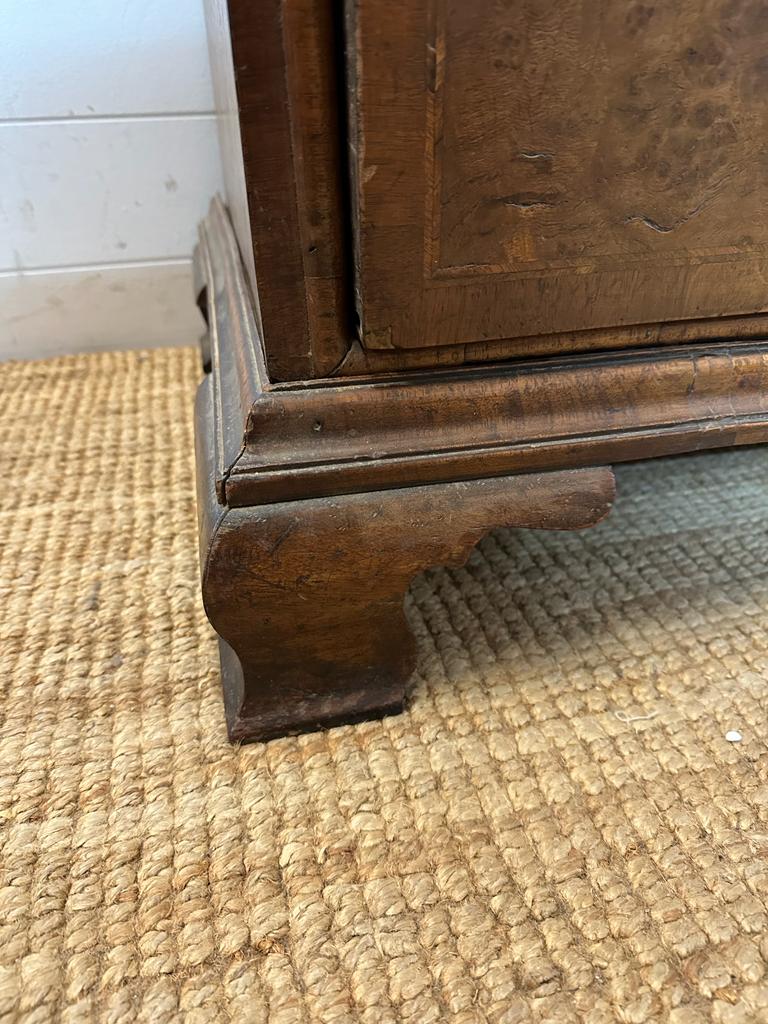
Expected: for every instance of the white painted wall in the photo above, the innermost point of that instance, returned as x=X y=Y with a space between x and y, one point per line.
x=108 y=159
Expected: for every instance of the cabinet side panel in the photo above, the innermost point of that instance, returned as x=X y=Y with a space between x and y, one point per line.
x=225 y=93
x=275 y=70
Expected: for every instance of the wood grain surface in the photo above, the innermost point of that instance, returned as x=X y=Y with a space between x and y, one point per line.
x=276 y=69
x=293 y=441
x=307 y=596
x=535 y=168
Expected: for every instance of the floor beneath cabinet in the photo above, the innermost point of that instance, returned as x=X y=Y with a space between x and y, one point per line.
x=557 y=829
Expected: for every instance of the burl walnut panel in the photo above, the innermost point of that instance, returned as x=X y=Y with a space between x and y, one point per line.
x=533 y=167
x=603 y=131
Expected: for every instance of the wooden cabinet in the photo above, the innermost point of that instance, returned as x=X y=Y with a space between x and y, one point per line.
x=471 y=255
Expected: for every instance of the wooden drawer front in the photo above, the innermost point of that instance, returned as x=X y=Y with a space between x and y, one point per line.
x=525 y=168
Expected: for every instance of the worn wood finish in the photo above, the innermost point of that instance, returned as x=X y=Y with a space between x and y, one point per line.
x=576 y=185
x=330 y=437
x=308 y=595
x=360 y=362
x=276 y=69
x=278 y=73
x=480 y=424
x=534 y=168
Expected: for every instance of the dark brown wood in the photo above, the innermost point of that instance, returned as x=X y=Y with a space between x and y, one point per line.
x=578 y=185
x=331 y=437
x=277 y=76
x=320 y=501
x=537 y=168
x=276 y=68
x=360 y=361
x=307 y=596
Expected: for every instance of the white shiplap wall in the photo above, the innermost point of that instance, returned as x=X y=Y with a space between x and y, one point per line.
x=108 y=159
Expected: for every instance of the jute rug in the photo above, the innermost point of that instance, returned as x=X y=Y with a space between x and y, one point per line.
x=557 y=831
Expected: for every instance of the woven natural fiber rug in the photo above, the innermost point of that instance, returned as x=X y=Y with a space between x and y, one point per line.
x=556 y=831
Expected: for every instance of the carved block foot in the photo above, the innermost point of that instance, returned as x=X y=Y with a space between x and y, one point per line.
x=307 y=596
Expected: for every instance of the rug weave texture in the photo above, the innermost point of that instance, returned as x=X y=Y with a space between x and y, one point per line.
x=557 y=830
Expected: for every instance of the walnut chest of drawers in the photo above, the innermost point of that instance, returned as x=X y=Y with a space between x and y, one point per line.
x=470 y=255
